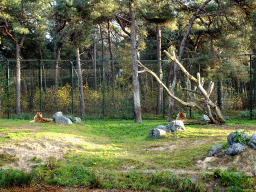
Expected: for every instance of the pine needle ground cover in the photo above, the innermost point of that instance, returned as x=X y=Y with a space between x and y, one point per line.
x=119 y=154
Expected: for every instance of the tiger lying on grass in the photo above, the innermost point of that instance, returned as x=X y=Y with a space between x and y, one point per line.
x=39 y=119
x=181 y=116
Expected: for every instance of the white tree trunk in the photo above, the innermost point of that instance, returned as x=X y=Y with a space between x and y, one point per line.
x=80 y=83
x=135 y=79
x=160 y=71
x=18 y=79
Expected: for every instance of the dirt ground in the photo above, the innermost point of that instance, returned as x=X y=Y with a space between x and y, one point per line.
x=44 y=148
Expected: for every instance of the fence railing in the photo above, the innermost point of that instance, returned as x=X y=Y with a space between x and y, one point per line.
x=107 y=91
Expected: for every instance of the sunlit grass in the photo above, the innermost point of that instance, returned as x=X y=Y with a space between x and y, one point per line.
x=117 y=146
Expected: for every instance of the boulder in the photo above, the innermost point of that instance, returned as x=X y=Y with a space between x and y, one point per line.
x=231 y=138
x=78 y=120
x=156 y=133
x=59 y=118
x=205 y=118
x=161 y=127
x=176 y=125
x=252 y=142
x=235 y=149
x=214 y=150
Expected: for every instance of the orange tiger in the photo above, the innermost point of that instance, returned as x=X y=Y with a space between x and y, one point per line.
x=181 y=116
x=39 y=119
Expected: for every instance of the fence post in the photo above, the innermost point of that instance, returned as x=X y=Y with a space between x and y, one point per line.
x=104 y=87
x=8 y=89
x=72 y=87
x=163 y=69
x=219 y=93
x=41 y=86
x=250 y=102
x=190 y=71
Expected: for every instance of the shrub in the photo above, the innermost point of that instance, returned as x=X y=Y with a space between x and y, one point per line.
x=247 y=114
x=241 y=137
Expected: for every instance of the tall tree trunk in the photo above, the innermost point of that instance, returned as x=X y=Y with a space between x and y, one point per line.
x=135 y=79
x=80 y=83
x=254 y=80
x=181 y=52
x=94 y=62
x=219 y=92
x=160 y=72
x=103 y=72
x=111 y=55
x=18 y=79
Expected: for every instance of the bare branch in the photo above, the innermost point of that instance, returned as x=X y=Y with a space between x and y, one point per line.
x=167 y=90
x=210 y=88
x=192 y=91
x=181 y=67
x=142 y=71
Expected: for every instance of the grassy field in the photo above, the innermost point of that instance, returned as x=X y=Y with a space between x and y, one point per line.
x=120 y=154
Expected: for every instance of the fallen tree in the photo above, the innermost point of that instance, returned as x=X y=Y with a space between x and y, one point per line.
x=200 y=98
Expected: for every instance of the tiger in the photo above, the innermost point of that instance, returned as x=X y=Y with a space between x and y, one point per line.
x=39 y=119
x=181 y=116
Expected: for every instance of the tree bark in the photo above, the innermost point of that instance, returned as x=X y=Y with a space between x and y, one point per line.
x=18 y=75
x=181 y=52
x=135 y=79
x=80 y=83
x=111 y=55
x=160 y=71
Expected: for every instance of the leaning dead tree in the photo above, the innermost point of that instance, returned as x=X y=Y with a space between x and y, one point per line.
x=200 y=97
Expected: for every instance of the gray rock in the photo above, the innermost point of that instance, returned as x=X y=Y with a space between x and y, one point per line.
x=214 y=149
x=176 y=125
x=231 y=137
x=156 y=133
x=161 y=127
x=59 y=118
x=235 y=149
x=78 y=120
x=252 y=142
x=205 y=118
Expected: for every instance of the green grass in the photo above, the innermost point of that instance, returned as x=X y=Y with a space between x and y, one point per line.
x=7 y=159
x=9 y=178
x=113 y=147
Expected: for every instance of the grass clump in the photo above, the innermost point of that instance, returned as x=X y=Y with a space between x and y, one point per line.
x=234 y=180
x=55 y=173
x=35 y=159
x=241 y=137
x=10 y=177
x=7 y=159
x=138 y=181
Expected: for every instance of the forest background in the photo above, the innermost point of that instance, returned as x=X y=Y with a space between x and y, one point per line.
x=64 y=53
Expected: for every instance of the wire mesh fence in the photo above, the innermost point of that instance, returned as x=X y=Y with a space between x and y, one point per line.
x=108 y=89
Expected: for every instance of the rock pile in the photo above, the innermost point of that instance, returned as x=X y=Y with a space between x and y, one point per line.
x=237 y=143
x=59 y=118
x=162 y=130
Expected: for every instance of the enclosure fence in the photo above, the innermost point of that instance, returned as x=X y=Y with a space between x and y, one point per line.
x=108 y=87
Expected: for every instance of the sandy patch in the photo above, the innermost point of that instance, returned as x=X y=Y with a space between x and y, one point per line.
x=41 y=148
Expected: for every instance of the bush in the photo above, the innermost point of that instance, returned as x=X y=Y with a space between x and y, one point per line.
x=247 y=114
x=24 y=116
